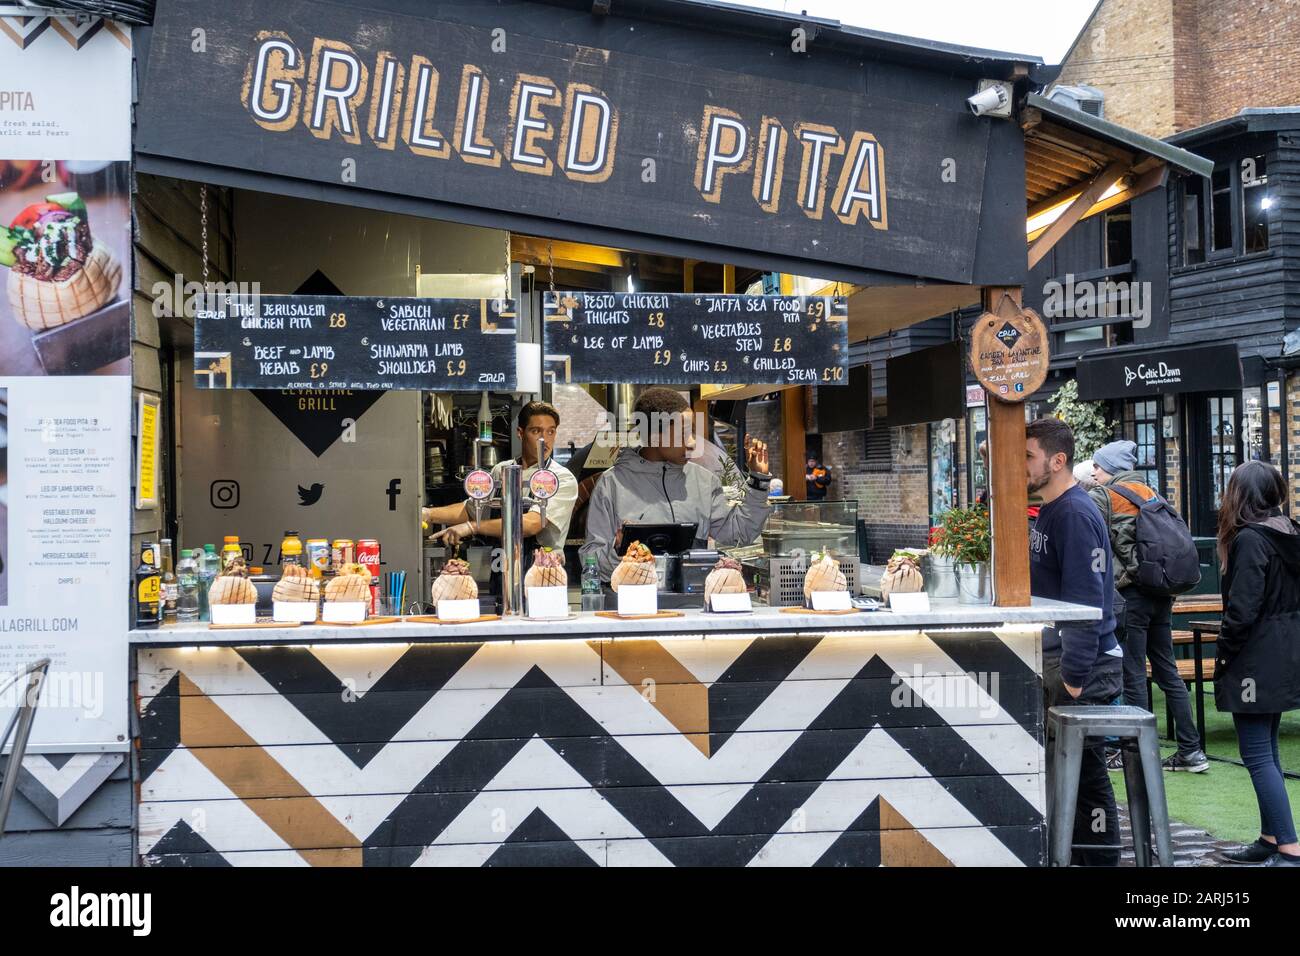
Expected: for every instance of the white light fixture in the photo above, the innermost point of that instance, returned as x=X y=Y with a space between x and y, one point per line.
x=1266 y=202
x=630 y=286
x=528 y=367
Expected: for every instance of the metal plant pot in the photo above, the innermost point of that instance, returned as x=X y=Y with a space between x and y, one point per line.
x=940 y=577
x=974 y=584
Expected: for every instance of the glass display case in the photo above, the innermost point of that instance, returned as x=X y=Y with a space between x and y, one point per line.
x=801 y=527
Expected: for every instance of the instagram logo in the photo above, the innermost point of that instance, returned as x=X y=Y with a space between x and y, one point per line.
x=224 y=493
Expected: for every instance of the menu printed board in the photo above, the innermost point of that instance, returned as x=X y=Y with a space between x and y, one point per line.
x=693 y=337
x=355 y=342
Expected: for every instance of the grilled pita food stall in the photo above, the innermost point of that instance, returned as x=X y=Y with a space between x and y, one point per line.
x=589 y=194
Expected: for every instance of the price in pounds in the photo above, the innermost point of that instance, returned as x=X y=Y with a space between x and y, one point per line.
x=460 y=321
x=455 y=369
x=835 y=374
x=338 y=320
x=663 y=357
x=318 y=369
x=782 y=345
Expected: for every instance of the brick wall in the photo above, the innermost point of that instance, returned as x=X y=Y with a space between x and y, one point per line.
x=1128 y=51
x=896 y=504
x=1170 y=65
x=763 y=421
x=1248 y=55
x=580 y=415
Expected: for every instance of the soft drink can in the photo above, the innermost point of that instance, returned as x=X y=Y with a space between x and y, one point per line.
x=318 y=556
x=344 y=552
x=368 y=557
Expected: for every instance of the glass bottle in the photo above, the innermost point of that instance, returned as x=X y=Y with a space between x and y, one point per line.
x=170 y=587
x=593 y=599
x=187 y=578
x=209 y=564
x=147 y=588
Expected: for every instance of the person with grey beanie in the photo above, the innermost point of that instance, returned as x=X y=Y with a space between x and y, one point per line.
x=1148 y=616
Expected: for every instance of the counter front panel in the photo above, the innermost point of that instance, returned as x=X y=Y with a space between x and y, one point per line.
x=847 y=748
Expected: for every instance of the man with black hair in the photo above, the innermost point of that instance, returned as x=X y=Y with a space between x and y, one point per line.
x=659 y=484
x=1070 y=560
x=537 y=422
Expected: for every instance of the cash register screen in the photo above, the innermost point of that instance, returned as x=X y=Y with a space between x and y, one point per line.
x=660 y=538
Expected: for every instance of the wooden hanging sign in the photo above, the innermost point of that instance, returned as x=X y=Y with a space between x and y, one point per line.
x=1009 y=353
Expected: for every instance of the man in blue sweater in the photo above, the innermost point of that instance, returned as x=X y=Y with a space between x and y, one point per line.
x=1070 y=560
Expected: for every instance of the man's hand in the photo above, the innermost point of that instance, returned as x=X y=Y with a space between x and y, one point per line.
x=1072 y=691
x=618 y=539
x=455 y=534
x=755 y=455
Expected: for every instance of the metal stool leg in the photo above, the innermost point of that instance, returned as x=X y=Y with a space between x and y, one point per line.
x=1065 y=792
x=1139 y=808
x=1149 y=752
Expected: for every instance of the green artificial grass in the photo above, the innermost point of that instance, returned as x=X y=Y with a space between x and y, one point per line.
x=1221 y=800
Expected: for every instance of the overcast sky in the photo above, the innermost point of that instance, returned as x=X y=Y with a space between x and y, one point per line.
x=1043 y=28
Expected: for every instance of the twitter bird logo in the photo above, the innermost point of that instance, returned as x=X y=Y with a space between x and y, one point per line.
x=309 y=496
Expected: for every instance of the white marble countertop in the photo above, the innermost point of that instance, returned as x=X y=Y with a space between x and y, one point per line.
x=588 y=627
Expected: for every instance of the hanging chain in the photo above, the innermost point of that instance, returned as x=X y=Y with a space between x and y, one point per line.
x=203 y=222
x=507 y=253
x=550 y=263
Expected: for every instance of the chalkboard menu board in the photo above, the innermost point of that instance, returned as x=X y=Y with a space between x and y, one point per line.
x=688 y=338
x=355 y=342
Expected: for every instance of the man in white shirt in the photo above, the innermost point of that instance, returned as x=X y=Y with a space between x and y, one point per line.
x=537 y=420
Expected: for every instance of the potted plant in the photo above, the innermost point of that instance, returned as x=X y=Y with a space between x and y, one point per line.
x=965 y=539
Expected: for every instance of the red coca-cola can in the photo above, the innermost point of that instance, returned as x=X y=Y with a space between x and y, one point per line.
x=368 y=556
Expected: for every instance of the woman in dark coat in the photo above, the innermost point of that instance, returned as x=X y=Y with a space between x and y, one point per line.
x=1257 y=674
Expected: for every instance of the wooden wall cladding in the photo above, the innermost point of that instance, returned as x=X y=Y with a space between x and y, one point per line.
x=894 y=748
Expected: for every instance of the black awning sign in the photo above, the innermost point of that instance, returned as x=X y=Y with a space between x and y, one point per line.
x=687 y=338
x=790 y=161
x=1208 y=368
x=355 y=342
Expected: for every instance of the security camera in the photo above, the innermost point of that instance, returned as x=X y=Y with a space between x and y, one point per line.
x=993 y=99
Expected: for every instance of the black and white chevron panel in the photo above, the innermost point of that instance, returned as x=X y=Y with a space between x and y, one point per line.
x=846 y=749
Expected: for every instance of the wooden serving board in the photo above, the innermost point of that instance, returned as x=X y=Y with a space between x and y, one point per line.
x=434 y=619
x=369 y=620
x=245 y=627
x=615 y=616
x=807 y=610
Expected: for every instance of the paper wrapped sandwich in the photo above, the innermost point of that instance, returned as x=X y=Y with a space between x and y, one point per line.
x=352 y=583
x=57 y=271
x=547 y=570
x=902 y=575
x=725 y=578
x=637 y=567
x=823 y=575
x=296 y=584
x=453 y=583
x=232 y=585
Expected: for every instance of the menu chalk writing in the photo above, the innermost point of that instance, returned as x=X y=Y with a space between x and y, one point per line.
x=689 y=338
x=354 y=342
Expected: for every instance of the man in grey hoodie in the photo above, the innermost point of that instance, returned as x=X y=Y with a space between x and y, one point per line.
x=657 y=483
x=1148 y=634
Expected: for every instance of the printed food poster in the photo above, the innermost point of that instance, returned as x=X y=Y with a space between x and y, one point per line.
x=65 y=374
x=65 y=235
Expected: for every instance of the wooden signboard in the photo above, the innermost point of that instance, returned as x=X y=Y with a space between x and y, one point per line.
x=687 y=338
x=1009 y=353
x=529 y=109
x=354 y=342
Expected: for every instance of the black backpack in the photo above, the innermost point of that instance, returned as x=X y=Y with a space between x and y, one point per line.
x=1168 y=563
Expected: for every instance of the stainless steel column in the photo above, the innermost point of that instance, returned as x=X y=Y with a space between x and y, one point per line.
x=512 y=539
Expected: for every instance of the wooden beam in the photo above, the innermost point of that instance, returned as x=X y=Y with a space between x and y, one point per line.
x=1008 y=493
x=1075 y=211
x=793 y=439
